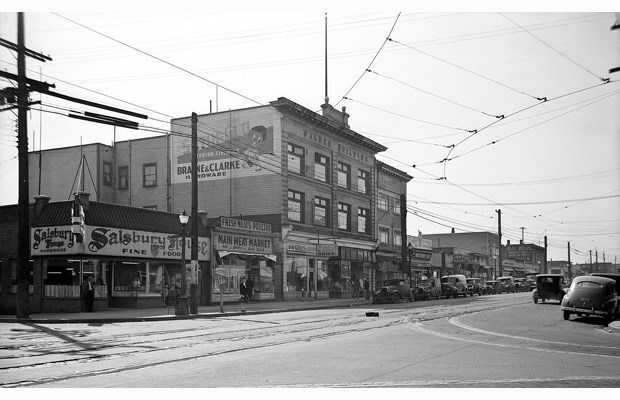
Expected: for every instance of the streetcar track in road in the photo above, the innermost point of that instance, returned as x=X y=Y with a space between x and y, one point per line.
x=339 y=330
x=417 y=326
x=455 y=321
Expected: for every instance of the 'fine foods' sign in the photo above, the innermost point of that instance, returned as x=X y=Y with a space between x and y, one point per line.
x=113 y=242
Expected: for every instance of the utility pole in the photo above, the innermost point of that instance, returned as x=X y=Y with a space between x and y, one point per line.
x=23 y=218
x=522 y=235
x=596 y=255
x=591 y=261
x=499 y=242
x=570 y=274
x=545 y=260
x=194 y=251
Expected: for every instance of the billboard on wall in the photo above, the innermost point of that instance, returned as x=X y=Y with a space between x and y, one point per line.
x=59 y=240
x=238 y=143
x=521 y=252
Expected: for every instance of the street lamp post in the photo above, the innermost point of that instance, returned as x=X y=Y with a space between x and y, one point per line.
x=409 y=253
x=181 y=306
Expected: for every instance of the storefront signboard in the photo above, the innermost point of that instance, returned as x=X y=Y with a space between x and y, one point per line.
x=253 y=226
x=242 y=243
x=114 y=242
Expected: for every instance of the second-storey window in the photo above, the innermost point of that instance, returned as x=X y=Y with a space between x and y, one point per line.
x=321 y=168
x=344 y=175
x=396 y=206
x=321 y=206
x=384 y=202
x=107 y=173
x=362 y=220
x=384 y=234
x=344 y=216
x=149 y=176
x=398 y=239
x=296 y=159
x=123 y=177
x=295 y=209
x=362 y=181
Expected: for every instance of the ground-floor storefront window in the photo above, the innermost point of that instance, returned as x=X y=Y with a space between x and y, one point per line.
x=227 y=277
x=63 y=277
x=306 y=274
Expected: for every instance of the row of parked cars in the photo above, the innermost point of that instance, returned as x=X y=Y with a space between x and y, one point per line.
x=395 y=290
x=597 y=294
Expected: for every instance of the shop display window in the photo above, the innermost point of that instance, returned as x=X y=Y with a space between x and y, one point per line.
x=132 y=278
x=228 y=275
x=62 y=277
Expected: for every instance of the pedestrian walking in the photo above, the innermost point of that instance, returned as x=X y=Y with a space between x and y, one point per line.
x=356 y=288
x=89 y=293
x=250 y=287
x=367 y=288
x=243 y=291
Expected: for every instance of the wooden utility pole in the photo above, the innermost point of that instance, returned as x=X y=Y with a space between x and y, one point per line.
x=499 y=243
x=194 y=218
x=545 y=260
x=570 y=273
x=23 y=218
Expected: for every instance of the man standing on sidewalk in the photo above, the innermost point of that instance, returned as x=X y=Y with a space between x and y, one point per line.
x=89 y=293
x=367 y=288
x=243 y=291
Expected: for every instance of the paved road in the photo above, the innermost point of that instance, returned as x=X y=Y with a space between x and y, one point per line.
x=473 y=342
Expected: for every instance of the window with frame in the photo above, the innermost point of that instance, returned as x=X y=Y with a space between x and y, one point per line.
x=321 y=215
x=398 y=239
x=362 y=220
x=149 y=175
x=296 y=158
x=123 y=177
x=383 y=202
x=344 y=216
x=107 y=173
x=295 y=206
x=363 y=181
x=384 y=234
x=321 y=167
x=396 y=206
x=344 y=175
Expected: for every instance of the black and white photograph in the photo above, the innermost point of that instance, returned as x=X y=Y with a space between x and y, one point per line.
x=310 y=199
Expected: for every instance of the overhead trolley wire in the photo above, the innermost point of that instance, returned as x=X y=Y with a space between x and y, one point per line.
x=158 y=59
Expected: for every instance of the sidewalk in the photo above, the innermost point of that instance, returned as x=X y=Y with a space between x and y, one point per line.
x=168 y=313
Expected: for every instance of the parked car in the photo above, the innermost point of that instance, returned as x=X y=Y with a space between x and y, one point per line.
x=508 y=284
x=549 y=287
x=474 y=286
x=592 y=295
x=615 y=277
x=393 y=290
x=453 y=285
x=427 y=289
x=531 y=283
x=522 y=285
x=492 y=287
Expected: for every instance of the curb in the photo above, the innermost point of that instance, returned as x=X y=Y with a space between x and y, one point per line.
x=159 y=318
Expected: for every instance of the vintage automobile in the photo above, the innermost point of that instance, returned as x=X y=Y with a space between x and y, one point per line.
x=615 y=277
x=522 y=285
x=549 y=287
x=474 y=286
x=427 y=289
x=508 y=284
x=592 y=295
x=492 y=287
x=393 y=290
x=453 y=285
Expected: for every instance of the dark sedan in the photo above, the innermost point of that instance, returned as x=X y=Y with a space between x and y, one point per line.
x=591 y=295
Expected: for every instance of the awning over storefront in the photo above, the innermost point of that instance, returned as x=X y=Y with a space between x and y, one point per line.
x=245 y=256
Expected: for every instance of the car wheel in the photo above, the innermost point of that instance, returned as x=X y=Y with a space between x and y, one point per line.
x=543 y=300
x=566 y=315
x=535 y=301
x=395 y=298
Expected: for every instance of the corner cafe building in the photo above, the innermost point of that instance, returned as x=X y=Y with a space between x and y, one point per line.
x=134 y=255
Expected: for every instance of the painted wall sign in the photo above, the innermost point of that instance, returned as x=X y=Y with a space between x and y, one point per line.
x=232 y=223
x=230 y=144
x=114 y=242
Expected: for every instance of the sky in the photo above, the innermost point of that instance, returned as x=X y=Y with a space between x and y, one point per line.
x=487 y=109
